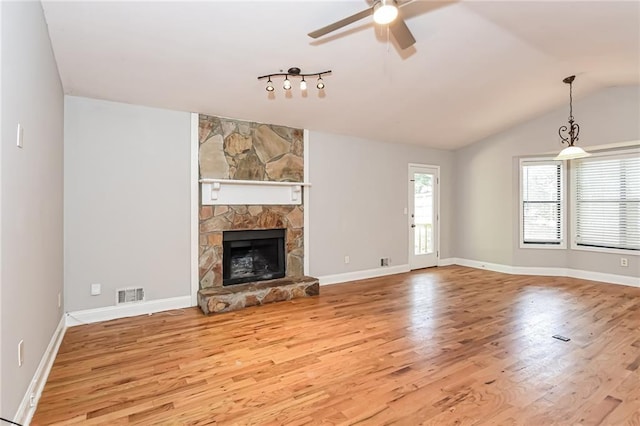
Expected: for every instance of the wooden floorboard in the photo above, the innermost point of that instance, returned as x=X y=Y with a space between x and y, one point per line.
x=441 y=346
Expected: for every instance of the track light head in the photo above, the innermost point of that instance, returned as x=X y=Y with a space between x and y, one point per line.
x=303 y=84
x=270 y=87
x=320 y=84
x=287 y=83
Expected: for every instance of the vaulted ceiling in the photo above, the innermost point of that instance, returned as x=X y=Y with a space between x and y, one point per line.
x=478 y=67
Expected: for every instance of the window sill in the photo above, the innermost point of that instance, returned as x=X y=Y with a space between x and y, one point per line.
x=605 y=250
x=561 y=246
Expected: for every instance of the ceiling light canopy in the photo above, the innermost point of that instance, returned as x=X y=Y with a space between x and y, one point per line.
x=294 y=72
x=569 y=134
x=385 y=11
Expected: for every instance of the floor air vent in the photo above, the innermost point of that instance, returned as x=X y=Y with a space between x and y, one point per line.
x=129 y=295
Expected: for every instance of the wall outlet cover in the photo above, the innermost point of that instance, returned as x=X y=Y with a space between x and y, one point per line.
x=96 y=289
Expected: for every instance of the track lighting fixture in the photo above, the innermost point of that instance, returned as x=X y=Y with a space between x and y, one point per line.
x=569 y=134
x=294 y=72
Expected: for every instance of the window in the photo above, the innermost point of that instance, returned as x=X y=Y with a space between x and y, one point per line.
x=607 y=202
x=542 y=203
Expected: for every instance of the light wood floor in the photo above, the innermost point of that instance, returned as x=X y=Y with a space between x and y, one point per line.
x=442 y=346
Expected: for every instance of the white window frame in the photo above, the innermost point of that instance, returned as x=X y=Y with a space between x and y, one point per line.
x=563 y=204
x=574 y=210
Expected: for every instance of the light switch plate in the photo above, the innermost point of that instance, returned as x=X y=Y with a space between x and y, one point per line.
x=20 y=135
x=20 y=353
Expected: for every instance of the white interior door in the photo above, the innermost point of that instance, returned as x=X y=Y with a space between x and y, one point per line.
x=423 y=216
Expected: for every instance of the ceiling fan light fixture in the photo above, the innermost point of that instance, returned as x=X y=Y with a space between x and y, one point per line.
x=320 y=84
x=385 y=11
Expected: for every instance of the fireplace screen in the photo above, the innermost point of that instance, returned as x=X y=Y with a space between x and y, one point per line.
x=254 y=255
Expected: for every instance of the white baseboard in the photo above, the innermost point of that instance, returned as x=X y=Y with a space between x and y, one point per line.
x=446 y=262
x=554 y=272
x=608 y=278
x=28 y=405
x=126 y=310
x=362 y=275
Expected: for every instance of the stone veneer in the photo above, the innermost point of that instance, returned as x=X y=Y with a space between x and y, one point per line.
x=216 y=219
x=232 y=149
x=239 y=150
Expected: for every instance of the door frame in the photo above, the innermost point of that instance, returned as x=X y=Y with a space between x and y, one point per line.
x=410 y=195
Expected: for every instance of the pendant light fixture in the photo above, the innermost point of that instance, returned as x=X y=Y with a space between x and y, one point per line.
x=569 y=134
x=294 y=72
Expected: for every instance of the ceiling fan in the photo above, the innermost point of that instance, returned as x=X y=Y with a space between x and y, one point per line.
x=384 y=12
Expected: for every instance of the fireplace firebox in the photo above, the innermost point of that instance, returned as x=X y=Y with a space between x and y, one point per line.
x=253 y=255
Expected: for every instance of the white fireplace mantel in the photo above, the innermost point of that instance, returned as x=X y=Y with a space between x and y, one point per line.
x=250 y=192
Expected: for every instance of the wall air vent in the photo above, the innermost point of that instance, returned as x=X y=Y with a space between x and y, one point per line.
x=129 y=295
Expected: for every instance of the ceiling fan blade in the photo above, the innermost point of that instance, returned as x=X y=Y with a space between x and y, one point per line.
x=401 y=33
x=341 y=23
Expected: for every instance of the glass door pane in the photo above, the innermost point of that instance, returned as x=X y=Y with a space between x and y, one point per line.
x=423 y=213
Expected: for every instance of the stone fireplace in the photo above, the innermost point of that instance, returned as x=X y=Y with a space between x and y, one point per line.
x=237 y=152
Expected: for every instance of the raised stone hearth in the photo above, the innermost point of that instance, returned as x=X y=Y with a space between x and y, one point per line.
x=232 y=298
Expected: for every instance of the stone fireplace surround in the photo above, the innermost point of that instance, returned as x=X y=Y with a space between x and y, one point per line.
x=237 y=150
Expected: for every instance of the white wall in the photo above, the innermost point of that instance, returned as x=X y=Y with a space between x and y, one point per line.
x=487 y=190
x=1 y=139
x=357 y=202
x=31 y=196
x=127 y=201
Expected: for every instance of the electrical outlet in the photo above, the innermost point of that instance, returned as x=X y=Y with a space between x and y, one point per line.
x=20 y=353
x=384 y=261
x=346 y=259
x=96 y=289
x=32 y=400
x=624 y=262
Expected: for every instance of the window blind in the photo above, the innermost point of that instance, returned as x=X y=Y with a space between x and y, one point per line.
x=607 y=198
x=542 y=214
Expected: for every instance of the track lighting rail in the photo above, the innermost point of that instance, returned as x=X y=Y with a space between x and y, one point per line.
x=294 y=72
